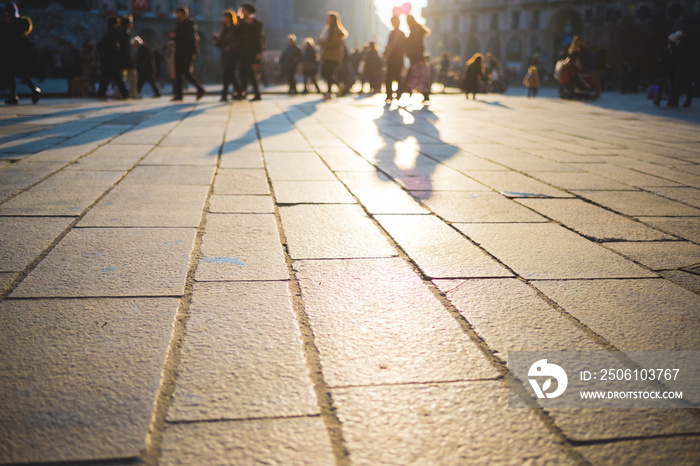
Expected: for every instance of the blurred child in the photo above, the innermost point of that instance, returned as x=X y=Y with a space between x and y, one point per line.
x=532 y=81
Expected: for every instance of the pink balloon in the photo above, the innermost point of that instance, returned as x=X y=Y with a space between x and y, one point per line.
x=397 y=11
x=406 y=8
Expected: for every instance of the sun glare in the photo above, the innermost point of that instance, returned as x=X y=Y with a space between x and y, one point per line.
x=385 y=10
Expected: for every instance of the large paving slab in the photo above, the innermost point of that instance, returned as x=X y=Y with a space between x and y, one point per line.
x=686 y=228
x=510 y=316
x=151 y=206
x=454 y=423
x=301 y=440
x=241 y=181
x=653 y=452
x=664 y=314
x=241 y=247
x=297 y=166
x=22 y=239
x=640 y=204
x=375 y=322
x=438 y=250
x=311 y=192
x=67 y=193
x=242 y=204
x=593 y=221
x=478 y=207
x=514 y=184
x=183 y=155
x=110 y=262
x=332 y=232
x=660 y=255
x=171 y=175
x=545 y=250
x=79 y=377
x=242 y=356
x=20 y=175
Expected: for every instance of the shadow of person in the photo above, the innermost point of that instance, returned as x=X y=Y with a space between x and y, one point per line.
x=412 y=150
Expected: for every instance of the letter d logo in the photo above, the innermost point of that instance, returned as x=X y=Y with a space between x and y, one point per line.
x=543 y=369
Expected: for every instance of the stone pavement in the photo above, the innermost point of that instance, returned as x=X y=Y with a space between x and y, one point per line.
x=299 y=281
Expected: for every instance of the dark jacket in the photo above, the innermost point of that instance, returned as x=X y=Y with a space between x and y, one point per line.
x=145 y=64
x=186 y=39
x=250 y=40
x=290 y=58
x=109 y=49
x=472 y=77
x=395 y=49
x=227 y=41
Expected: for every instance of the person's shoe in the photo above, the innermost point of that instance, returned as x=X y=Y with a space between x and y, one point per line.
x=36 y=94
x=177 y=98
x=686 y=104
x=200 y=93
x=12 y=100
x=256 y=98
x=223 y=99
x=672 y=104
x=239 y=96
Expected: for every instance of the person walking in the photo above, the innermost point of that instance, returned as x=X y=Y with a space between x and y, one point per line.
x=250 y=47
x=90 y=59
x=186 y=49
x=145 y=67
x=393 y=54
x=331 y=41
x=372 y=70
x=289 y=62
x=227 y=42
x=110 y=69
x=15 y=52
x=128 y=54
x=415 y=51
x=473 y=74
x=309 y=65
x=532 y=81
x=683 y=56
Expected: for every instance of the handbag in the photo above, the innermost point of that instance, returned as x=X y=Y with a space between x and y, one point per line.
x=420 y=77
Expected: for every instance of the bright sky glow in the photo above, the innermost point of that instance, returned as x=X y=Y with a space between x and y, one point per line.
x=386 y=7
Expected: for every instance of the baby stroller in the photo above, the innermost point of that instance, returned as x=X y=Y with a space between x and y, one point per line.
x=573 y=83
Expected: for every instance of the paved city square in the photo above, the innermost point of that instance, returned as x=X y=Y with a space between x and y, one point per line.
x=300 y=281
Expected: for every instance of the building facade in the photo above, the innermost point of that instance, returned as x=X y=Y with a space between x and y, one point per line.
x=61 y=26
x=519 y=32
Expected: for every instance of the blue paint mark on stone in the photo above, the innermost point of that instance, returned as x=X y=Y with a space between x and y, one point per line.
x=95 y=254
x=518 y=194
x=221 y=260
x=173 y=243
x=108 y=269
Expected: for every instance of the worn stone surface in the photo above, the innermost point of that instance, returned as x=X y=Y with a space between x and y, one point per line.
x=22 y=175
x=297 y=166
x=455 y=423
x=580 y=181
x=544 y=250
x=390 y=199
x=664 y=314
x=79 y=377
x=242 y=356
x=660 y=255
x=687 y=280
x=257 y=441
x=686 y=228
x=311 y=192
x=610 y=423
x=374 y=322
x=332 y=232
x=478 y=207
x=231 y=204
x=641 y=204
x=241 y=247
x=510 y=316
x=438 y=250
x=513 y=184
x=689 y=196
x=23 y=239
x=67 y=193
x=113 y=262
x=181 y=154
x=170 y=175
x=156 y=206
x=657 y=452
x=592 y=221
x=251 y=182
